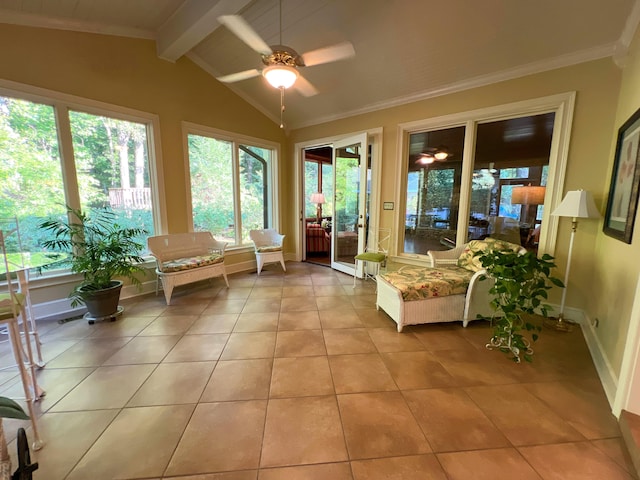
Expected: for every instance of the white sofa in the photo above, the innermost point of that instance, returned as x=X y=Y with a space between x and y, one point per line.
x=183 y=258
x=409 y=298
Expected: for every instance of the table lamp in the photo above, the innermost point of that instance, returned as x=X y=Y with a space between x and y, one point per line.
x=318 y=198
x=576 y=204
x=528 y=196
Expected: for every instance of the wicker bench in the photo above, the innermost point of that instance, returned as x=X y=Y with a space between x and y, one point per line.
x=184 y=258
x=448 y=291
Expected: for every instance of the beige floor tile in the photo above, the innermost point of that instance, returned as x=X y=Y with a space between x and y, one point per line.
x=151 y=434
x=616 y=449
x=243 y=475
x=340 y=317
x=301 y=377
x=300 y=343
x=302 y=430
x=324 y=278
x=151 y=307
x=328 y=290
x=183 y=304
x=126 y=326
x=204 y=449
x=452 y=421
x=271 y=276
x=435 y=339
x=298 y=290
x=170 y=325
x=416 y=467
x=73 y=329
x=249 y=345
x=239 y=380
x=143 y=350
x=360 y=373
x=412 y=370
x=259 y=305
x=583 y=460
x=298 y=304
x=79 y=431
x=198 y=348
x=235 y=293
x=478 y=366
x=388 y=340
x=107 y=387
x=372 y=318
x=363 y=301
x=351 y=340
x=505 y=405
x=380 y=425
x=223 y=305
x=487 y=465
x=327 y=471
x=173 y=383
x=583 y=405
x=90 y=352
x=335 y=303
x=53 y=348
x=222 y=323
x=257 y=322
x=266 y=292
x=297 y=280
x=308 y=320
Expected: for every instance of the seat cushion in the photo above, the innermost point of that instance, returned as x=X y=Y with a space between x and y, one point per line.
x=417 y=283
x=180 y=264
x=470 y=259
x=6 y=310
x=371 y=257
x=268 y=248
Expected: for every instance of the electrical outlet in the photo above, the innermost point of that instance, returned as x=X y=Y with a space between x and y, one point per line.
x=596 y=322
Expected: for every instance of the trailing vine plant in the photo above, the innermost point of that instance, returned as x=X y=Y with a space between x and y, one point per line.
x=522 y=281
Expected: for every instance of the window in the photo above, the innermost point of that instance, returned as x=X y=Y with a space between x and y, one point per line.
x=469 y=194
x=231 y=184
x=109 y=166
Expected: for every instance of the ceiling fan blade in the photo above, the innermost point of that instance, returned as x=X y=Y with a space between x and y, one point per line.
x=236 y=77
x=245 y=32
x=305 y=88
x=339 y=51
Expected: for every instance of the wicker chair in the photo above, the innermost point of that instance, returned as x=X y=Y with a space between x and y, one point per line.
x=268 y=247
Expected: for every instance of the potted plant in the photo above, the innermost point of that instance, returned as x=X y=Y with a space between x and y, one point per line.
x=521 y=284
x=99 y=249
x=8 y=409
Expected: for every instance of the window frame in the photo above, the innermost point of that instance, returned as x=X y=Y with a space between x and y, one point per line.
x=189 y=128
x=62 y=104
x=562 y=105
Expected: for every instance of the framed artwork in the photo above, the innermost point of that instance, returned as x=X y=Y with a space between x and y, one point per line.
x=623 y=191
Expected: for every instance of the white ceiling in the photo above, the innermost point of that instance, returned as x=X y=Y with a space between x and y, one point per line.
x=405 y=49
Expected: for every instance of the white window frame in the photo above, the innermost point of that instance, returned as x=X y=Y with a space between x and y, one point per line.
x=236 y=140
x=562 y=105
x=61 y=104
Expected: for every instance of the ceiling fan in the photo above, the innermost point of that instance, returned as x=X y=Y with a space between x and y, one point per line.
x=430 y=155
x=281 y=62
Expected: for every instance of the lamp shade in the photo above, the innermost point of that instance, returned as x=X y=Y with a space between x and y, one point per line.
x=280 y=76
x=318 y=198
x=528 y=195
x=577 y=204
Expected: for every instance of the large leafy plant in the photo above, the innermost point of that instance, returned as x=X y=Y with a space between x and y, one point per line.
x=522 y=281
x=97 y=247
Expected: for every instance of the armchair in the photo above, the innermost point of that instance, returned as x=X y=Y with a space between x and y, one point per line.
x=268 y=247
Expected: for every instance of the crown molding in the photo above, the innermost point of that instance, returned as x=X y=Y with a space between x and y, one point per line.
x=41 y=21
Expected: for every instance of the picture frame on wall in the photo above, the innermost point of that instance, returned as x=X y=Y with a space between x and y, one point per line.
x=622 y=203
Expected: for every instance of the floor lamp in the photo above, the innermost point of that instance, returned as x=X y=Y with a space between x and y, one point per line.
x=576 y=204
x=318 y=198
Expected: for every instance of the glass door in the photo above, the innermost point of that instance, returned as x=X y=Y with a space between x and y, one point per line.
x=352 y=174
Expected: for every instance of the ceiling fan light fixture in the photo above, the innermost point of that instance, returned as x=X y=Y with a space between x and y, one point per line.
x=425 y=159
x=280 y=76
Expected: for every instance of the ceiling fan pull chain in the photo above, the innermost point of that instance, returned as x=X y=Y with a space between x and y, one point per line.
x=281 y=107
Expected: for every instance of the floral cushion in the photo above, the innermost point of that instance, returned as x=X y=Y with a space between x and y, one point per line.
x=417 y=283
x=188 y=263
x=268 y=248
x=471 y=261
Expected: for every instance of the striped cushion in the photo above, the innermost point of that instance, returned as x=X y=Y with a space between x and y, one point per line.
x=180 y=264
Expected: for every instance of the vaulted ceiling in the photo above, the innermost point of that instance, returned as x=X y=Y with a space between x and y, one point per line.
x=406 y=50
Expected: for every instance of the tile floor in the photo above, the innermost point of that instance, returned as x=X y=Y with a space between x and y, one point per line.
x=296 y=376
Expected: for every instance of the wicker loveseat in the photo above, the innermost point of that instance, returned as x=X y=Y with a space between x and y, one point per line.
x=448 y=291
